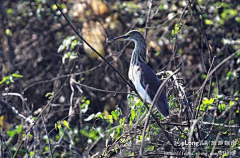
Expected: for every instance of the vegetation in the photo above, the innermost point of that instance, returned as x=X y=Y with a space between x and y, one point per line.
x=58 y=98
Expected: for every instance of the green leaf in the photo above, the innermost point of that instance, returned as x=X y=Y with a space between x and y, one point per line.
x=9 y=79
x=54 y=7
x=208 y=22
x=61 y=131
x=65 y=123
x=229 y=13
x=150 y=148
x=122 y=121
x=231 y=122
x=59 y=126
x=11 y=133
x=17 y=75
x=161 y=7
x=186 y=130
x=56 y=125
x=176 y=29
x=8 y=32
x=114 y=114
x=50 y=95
x=224 y=155
x=99 y=114
x=157 y=53
x=110 y=117
x=9 y=11
x=220 y=96
x=236 y=93
x=202 y=107
x=237 y=19
x=87 y=102
x=173 y=33
x=46 y=148
x=85 y=105
x=203 y=76
x=207 y=101
x=30 y=135
x=119 y=130
x=182 y=135
x=31 y=153
x=133 y=114
x=66 y=44
x=74 y=44
x=132 y=5
x=233 y=12
x=221 y=107
x=84 y=132
x=225 y=132
x=84 y=108
x=139 y=103
x=19 y=128
x=229 y=75
x=221 y=4
x=63 y=6
x=231 y=103
x=3 y=80
x=93 y=135
x=199 y=2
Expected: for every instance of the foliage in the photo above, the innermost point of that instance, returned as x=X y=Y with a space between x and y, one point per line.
x=10 y=79
x=69 y=44
x=41 y=57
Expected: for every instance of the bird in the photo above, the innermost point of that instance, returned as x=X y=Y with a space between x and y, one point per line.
x=141 y=75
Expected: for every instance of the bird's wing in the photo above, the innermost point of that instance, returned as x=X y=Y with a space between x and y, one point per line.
x=148 y=77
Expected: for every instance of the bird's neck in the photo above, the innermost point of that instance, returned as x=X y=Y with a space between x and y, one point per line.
x=139 y=53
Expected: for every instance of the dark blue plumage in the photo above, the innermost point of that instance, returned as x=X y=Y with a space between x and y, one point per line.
x=148 y=77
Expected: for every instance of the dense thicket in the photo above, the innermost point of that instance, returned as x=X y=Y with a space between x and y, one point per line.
x=42 y=57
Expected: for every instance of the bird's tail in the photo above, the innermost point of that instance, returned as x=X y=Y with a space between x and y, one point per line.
x=162 y=106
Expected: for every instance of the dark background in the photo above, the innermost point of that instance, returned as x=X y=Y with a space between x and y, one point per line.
x=198 y=37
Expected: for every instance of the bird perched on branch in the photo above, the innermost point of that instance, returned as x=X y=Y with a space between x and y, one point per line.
x=142 y=76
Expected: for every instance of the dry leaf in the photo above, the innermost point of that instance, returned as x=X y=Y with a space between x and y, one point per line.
x=93 y=33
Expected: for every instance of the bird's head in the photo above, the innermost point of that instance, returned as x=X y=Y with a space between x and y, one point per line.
x=133 y=35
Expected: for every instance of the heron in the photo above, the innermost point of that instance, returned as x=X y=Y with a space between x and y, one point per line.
x=141 y=75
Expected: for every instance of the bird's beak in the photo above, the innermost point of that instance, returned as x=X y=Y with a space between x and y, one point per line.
x=118 y=38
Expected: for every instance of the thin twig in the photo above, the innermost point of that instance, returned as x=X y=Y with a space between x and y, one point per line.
x=18 y=95
x=102 y=57
x=218 y=135
x=15 y=111
x=100 y=90
x=190 y=136
x=159 y=91
x=210 y=74
x=49 y=142
x=71 y=98
x=150 y=2
x=176 y=37
x=59 y=77
x=18 y=148
x=130 y=85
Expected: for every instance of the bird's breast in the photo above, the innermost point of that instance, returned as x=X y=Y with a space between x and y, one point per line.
x=134 y=75
x=132 y=72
